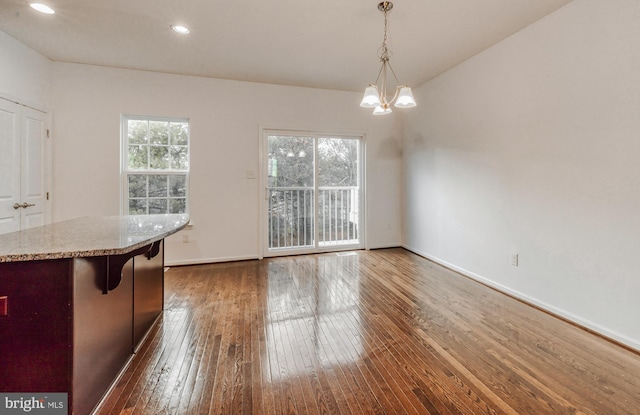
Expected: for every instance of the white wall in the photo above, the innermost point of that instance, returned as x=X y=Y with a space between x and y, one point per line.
x=530 y=147
x=25 y=75
x=533 y=146
x=226 y=117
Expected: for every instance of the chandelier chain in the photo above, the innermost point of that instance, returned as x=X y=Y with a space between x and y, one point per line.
x=385 y=54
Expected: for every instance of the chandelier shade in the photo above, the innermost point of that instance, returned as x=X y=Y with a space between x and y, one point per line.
x=376 y=97
x=371 y=98
x=405 y=98
x=382 y=109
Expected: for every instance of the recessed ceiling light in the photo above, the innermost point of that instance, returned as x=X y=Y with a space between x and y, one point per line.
x=180 y=29
x=42 y=8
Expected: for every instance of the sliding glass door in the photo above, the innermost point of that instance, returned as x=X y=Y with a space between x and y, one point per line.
x=313 y=193
x=290 y=192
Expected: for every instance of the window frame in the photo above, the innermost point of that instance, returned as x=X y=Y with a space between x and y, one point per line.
x=126 y=172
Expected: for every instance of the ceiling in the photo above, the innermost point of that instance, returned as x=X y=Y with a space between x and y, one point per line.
x=329 y=44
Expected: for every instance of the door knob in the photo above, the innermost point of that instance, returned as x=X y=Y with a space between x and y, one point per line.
x=24 y=205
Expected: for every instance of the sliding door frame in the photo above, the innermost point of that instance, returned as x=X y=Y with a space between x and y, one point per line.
x=263 y=245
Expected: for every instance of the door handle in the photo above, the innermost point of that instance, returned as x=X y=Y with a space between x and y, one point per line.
x=24 y=205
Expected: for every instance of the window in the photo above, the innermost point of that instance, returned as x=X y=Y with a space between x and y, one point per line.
x=155 y=160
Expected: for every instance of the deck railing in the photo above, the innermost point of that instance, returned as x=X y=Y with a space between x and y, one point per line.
x=292 y=216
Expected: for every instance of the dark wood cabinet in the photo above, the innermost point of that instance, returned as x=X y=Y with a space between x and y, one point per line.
x=36 y=334
x=65 y=331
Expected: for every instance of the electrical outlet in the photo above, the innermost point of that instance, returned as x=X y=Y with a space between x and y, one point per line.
x=514 y=259
x=185 y=238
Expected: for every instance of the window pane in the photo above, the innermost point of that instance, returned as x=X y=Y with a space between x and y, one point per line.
x=178 y=185
x=180 y=157
x=338 y=161
x=157 y=206
x=177 y=205
x=159 y=158
x=138 y=158
x=159 y=132
x=138 y=132
x=157 y=186
x=294 y=159
x=137 y=185
x=137 y=206
x=179 y=133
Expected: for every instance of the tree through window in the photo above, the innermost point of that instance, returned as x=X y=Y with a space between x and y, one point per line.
x=155 y=165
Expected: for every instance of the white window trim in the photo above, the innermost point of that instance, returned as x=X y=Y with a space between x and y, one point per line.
x=124 y=159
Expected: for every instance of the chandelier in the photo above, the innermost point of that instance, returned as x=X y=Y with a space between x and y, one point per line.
x=376 y=97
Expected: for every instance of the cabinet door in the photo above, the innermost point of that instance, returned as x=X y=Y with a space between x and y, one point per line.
x=9 y=166
x=23 y=167
x=34 y=337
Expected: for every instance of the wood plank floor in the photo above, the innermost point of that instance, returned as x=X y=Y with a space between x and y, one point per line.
x=379 y=332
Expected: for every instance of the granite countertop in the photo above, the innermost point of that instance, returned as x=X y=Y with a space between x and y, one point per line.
x=88 y=236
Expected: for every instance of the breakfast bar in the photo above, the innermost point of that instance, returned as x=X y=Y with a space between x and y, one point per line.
x=76 y=300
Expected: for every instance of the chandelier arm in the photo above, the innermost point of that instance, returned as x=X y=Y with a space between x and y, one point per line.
x=393 y=72
x=383 y=89
x=395 y=95
x=379 y=73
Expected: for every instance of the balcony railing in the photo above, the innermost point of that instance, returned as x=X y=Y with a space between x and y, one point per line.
x=292 y=217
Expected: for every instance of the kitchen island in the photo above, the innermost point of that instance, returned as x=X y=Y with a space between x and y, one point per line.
x=76 y=299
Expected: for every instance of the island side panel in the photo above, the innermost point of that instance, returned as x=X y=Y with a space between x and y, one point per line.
x=148 y=293
x=35 y=353
x=103 y=334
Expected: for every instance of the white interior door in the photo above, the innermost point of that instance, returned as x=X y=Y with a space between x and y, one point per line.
x=23 y=167
x=33 y=183
x=9 y=166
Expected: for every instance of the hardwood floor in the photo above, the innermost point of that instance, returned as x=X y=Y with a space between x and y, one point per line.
x=379 y=332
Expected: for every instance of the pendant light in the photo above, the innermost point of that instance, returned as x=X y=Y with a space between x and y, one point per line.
x=376 y=97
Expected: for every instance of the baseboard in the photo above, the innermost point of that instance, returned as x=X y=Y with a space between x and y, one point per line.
x=201 y=261
x=386 y=246
x=571 y=318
